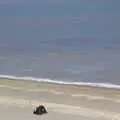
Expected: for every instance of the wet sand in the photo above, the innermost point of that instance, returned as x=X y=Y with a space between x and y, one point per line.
x=63 y=102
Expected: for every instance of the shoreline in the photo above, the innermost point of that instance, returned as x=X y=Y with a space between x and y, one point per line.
x=46 y=80
x=60 y=89
x=30 y=84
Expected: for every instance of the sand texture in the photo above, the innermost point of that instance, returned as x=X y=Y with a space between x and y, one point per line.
x=63 y=102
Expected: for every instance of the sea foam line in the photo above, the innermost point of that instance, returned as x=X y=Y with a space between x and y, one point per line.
x=103 y=85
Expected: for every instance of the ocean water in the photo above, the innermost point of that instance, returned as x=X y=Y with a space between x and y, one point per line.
x=64 y=41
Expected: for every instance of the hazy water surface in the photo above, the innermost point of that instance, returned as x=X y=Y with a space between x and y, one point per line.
x=62 y=40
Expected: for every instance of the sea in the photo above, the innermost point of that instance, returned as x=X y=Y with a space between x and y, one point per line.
x=61 y=41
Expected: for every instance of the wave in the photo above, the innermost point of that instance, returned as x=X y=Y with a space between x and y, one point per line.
x=102 y=85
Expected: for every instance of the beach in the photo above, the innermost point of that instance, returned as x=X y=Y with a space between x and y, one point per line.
x=62 y=54
x=18 y=98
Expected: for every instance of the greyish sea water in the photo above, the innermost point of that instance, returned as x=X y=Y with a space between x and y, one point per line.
x=64 y=41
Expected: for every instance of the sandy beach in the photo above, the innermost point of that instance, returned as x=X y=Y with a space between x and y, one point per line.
x=63 y=102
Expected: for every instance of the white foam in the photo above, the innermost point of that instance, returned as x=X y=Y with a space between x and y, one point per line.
x=103 y=85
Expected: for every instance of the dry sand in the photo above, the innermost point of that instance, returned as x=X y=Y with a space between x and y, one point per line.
x=63 y=102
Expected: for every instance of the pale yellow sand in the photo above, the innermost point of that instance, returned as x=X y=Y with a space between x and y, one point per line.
x=63 y=102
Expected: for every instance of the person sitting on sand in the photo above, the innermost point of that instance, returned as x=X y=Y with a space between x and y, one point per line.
x=40 y=110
